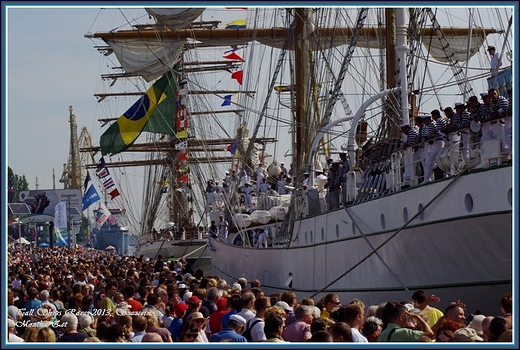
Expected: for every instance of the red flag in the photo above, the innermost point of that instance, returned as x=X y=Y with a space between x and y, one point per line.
x=238 y=76
x=114 y=193
x=183 y=156
x=184 y=178
x=234 y=54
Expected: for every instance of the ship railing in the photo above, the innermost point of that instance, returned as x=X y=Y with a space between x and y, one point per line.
x=489 y=145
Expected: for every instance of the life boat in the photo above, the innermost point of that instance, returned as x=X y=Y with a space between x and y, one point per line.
x=261 y=216
x=242 y=220
x=278 y=213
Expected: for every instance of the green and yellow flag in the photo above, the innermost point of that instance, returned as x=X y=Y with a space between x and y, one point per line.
x=153 y=112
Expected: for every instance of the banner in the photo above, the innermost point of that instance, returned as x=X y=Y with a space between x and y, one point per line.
x=60 y=215
x=102 y=215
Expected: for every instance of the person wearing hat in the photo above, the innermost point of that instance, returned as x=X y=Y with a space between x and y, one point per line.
x=495 y=60
x=479 y=113
x=466 y=335
x=411 y=141
x=500 y=108
x=179 y=311
x=232 y=333
x=428 y=134
x=461 y=120
x=200 y=321
x=260 y=176
x=247 y=190
x=11 y=329
x=283 y=169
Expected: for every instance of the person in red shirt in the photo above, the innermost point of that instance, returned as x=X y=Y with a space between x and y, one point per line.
x=129 y=292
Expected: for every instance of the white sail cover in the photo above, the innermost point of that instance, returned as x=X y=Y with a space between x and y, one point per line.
x=149 y=59
x=175 y=18
x=459 y=46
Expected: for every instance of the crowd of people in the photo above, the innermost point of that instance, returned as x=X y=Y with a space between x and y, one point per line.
x=64 y=295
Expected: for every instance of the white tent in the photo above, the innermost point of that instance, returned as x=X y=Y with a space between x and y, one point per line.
x=23 y=241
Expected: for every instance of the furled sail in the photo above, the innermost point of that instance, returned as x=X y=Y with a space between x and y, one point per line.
x=175 y=18
x=149 y=59
x=151 y=52
x=459 y=46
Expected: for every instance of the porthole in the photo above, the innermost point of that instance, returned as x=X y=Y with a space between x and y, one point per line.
x=353 y=229
x=312 y=238
x=405 y=214
x=421 y=212
x=322 y=234
x=468 y=202
x=383 y=223
x=510 y=197
x=337 y=231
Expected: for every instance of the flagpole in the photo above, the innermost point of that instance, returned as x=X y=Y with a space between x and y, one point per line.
x=68 y=221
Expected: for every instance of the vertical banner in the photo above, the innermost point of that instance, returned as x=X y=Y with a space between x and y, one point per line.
x=61 y=224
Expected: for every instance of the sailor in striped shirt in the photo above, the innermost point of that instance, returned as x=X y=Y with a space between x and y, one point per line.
x=435 y=141
x=461 y=119
x=479 y=113
x=499 y=108
x=413 y=156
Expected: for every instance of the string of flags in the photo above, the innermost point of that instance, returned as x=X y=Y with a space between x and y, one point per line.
x=181 y=124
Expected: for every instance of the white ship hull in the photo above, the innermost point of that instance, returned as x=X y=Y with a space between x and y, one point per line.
x=459 y=248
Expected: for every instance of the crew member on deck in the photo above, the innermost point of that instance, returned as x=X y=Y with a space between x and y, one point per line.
x=495 y=60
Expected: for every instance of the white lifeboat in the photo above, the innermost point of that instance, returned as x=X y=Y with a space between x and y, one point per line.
x=242 y=220
x=261 y=216
x=274 y=169
x=278 y=213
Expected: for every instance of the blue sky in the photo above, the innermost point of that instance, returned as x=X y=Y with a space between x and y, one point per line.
x=50 y=66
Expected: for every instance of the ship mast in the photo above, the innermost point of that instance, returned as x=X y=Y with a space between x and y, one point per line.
x=71 y=176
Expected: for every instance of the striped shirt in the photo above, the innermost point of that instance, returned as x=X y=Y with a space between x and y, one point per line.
x=412 y=137
x=480 y=113
x=441 y=123
x=429 y=131
x=500 y=104
x=461 y=121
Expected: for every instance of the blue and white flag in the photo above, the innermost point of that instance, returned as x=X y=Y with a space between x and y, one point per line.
x=229 y=100
x=87 y=181
x=60 y=215
x=91 y=196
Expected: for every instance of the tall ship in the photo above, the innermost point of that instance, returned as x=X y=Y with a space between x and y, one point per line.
x=363 y=209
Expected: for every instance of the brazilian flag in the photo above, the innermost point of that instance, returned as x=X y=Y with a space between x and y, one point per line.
x=153 y=112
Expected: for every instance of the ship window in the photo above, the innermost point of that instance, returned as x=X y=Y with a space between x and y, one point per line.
x=421 y=212
x=510 y=197
x=312 y=238
x=405 y=214
x=322 y=234
x=353 y=228
x=337 y=231
x=383 y=222
x=468 y=201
